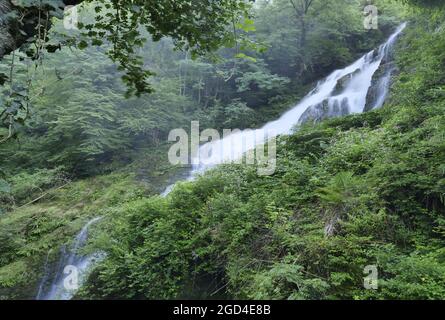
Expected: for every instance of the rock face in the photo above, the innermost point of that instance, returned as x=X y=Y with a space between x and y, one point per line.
x=343 y=82
x=381 y=82
x=315 y=113
x=329 y=108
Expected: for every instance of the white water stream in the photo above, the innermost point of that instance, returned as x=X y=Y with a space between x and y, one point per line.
x=79 y=264
x=343 y=92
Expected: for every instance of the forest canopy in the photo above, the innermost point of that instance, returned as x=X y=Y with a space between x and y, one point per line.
x=200 y=26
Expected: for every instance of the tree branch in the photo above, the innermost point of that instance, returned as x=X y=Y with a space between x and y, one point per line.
x=10 y=37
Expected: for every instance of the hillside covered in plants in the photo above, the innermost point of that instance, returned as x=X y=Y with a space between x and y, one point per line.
x=86 y=115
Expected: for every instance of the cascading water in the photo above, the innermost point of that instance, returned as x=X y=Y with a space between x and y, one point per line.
x=343 y=92
x=57 y=290
x=383 y=89
x=44 y=278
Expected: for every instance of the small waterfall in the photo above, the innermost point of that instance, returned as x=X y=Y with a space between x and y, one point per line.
x=57 y=290
x=190 y=177
x=44 y=278
x=343 y=92
x=382 y=89
x=167 y=190
x=379 y=90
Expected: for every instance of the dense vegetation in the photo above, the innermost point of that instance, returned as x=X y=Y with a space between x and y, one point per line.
x=378 y=178
x=77 y=97
x=362 y=190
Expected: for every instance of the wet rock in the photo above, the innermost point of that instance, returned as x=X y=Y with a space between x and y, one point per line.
x=339 y=108
x=315 y=113
x=380 y=83
x=343 y=82
x=329 y=108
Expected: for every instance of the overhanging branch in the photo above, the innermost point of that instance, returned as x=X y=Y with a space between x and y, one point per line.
x=12 y=35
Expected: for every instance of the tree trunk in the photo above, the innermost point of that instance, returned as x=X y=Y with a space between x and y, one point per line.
x=303 y=32
x=10 y=36
x=7 y=40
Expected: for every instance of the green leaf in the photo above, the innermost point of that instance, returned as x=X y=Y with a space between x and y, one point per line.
x=82 y=45
x=245 y=56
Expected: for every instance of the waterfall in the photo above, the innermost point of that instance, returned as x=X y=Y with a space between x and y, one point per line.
x=383 y=89
x=57 y=290
x=44 y=278
x=343 y=92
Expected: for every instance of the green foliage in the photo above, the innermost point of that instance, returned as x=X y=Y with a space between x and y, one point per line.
x=350 y=192
x=245 y=70
x=339 y=189
x=81 y=105
x=125 y=24
x=32 y=233
x=425 y=3
x=287 y=281
x=323 y=38
x=24 y=186
x=76 y=115
x=235 y=115
x=13 y=274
